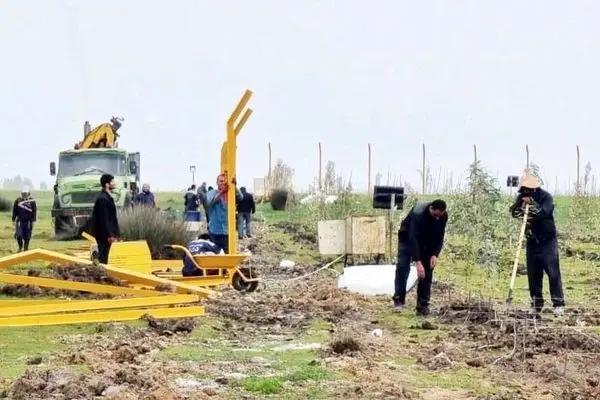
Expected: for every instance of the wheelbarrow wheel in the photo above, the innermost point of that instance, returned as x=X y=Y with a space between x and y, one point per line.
x=238 y=282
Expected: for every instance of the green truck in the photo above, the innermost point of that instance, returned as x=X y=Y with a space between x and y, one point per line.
x=78 y=184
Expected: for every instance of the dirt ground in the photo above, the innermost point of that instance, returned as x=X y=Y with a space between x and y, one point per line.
x=465 y=338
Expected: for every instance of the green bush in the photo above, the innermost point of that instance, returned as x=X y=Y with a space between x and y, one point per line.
x=279 y=198
x=5 y=205
x=156 y=228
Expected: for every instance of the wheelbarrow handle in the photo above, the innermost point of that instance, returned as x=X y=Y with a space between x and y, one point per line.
x=179 y=248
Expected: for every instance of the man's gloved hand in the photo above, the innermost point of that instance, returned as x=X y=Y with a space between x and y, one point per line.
x=420 y=270
x=112 y=239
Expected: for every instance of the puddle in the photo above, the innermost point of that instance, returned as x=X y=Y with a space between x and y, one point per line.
x=298 y=346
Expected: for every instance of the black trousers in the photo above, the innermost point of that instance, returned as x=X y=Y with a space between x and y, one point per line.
x=542 y=256
x=402 y=272
x=222 y=241
x=103 y=250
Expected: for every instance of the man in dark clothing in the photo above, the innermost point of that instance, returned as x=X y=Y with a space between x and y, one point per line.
x=420 y=239
x=105 y=226
x=190 y=199
x=202 y=192
x=145 y=197
x=24 y=215
x=542 y=243
x=245 y=208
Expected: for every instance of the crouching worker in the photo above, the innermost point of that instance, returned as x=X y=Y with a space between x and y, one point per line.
x=202 y=245
x=542 y=243
x=23 y=216
x=420 y=239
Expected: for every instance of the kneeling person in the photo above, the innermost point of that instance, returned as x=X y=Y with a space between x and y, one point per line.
x=202 y=245
x=420 y=239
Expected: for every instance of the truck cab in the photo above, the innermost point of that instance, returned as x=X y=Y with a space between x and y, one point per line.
x=78 y=184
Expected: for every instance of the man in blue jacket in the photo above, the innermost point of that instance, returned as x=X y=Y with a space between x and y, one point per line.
x=420 y=239
x=542 y=243
x=24 y=215
x=217 y=213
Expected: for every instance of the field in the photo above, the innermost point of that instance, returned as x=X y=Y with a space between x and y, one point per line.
x=300 y=339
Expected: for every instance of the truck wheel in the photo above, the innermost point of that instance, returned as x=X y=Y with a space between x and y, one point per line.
x=245 y=287
x=63 y=229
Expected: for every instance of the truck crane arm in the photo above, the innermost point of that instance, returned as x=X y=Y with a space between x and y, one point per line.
x=104 y=135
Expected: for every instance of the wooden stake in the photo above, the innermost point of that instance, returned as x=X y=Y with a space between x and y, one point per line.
x=369 y=170
x=423 y=173
x=320 y=169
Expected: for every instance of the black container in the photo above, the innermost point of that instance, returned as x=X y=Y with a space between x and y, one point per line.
x=382 y=196
x=512 y=181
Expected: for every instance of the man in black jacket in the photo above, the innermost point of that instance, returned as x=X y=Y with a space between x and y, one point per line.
x=105 y=227
x=420 y=239
x=246 y=209
x=24 y=215
x=542 y=243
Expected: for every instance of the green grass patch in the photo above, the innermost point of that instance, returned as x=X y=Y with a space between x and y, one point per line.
x=18 y=345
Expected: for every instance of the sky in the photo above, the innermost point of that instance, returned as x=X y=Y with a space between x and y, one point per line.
x=395 y=74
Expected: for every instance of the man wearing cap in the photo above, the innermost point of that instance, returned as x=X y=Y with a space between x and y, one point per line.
x=105 y=226
x=23 y=216
x=542 y=242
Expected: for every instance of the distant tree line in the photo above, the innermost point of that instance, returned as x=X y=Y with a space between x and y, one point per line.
x=17 y=182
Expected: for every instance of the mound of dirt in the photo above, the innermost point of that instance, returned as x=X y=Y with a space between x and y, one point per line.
x=121 y=366
x=300 y=233
x=531 y=340
x=169 y=327
x=303 y=303
x=475 y=312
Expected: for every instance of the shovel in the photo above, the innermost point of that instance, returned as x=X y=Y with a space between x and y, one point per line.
x=517 y=255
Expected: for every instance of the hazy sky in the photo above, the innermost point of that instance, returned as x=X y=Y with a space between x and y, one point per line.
x=393 y=73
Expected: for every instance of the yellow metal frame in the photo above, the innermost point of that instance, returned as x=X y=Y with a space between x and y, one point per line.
x=140 y=297
x=228 y=161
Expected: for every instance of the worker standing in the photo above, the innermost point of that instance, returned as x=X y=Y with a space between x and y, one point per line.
x=246 y=209
x=217 y=211
x=542 y=243
x=190 y=199
x=420 y=239
x=145 y=197
x=105 y=226
x=202 y=192
x=24 y=215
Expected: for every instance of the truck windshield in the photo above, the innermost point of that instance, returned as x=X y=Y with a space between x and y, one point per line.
x=92 y=163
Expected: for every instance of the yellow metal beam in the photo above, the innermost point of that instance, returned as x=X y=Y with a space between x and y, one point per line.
x=114 y=272
x=101 y=316
x=230 y=164
x=77 y=286
x=88 y=305
x=238 y=128
x=154 y=281
x=41 y=255
x=239 y=107
x=29 y=302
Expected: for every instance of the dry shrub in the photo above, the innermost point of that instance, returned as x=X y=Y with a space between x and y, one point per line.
x=5 y=205
x=156 y=228
x=279 y=198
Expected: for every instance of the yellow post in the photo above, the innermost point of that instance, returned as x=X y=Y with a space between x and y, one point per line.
x=230 y=156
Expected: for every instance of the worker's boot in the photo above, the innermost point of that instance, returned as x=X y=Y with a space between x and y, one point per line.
x=423 y=311
x=398 y=306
